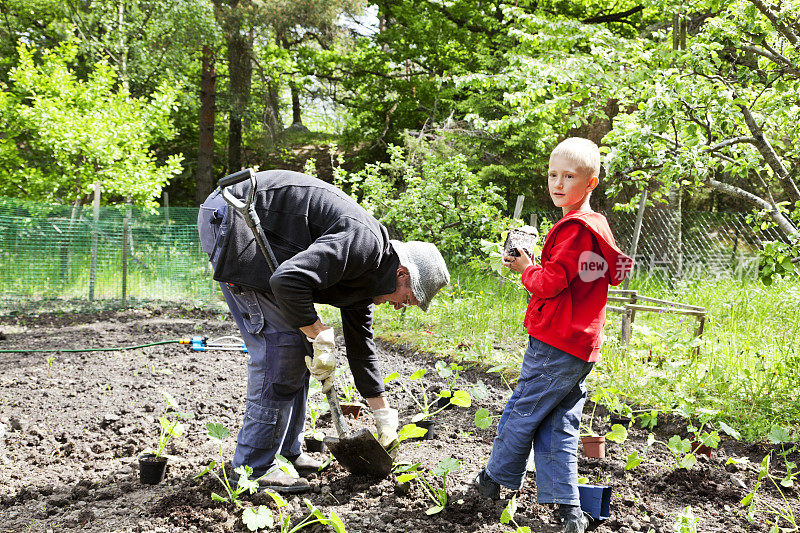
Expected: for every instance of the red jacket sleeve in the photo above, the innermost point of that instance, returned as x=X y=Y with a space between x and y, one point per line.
x=560 y=266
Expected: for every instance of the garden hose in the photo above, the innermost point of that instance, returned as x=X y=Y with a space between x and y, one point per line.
x=198 y=344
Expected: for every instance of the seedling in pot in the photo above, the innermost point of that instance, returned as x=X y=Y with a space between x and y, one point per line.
x=460 y=398
x=432 y=490
x=170 y=423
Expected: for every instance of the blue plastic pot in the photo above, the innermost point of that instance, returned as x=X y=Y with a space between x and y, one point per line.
x=596 y=500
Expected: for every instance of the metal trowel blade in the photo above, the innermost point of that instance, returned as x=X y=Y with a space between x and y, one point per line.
x=361 y=454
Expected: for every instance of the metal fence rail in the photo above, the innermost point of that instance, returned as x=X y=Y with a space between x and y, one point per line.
x=48 y=251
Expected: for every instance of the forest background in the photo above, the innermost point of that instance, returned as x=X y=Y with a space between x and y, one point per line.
x=695 y=101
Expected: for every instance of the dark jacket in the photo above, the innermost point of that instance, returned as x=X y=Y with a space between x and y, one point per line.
x=329 y=250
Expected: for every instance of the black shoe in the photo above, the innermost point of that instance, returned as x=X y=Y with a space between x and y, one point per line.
x=574 y=518
x=487 y=487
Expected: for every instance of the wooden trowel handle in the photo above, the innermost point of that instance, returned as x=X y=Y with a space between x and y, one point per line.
x=336 y=413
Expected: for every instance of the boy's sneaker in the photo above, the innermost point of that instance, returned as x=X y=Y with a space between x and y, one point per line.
x=487 y=487
x=573 y=517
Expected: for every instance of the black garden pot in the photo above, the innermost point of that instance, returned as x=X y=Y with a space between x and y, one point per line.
x=152 y=468
x=430 y=425
x=314 y=445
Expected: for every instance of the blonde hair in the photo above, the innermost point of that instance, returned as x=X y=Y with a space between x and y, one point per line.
x=582 y=152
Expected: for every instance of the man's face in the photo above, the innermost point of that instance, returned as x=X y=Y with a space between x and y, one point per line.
x=403 y=296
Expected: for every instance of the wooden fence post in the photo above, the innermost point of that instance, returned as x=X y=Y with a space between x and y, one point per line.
x=96 y=213
x=636 y=232
x=125 y=231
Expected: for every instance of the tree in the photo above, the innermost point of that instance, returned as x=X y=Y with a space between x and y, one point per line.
x=63 y=133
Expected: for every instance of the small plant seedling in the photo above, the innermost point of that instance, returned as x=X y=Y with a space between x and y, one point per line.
x=483 y=418
x=170 y=425
x=315 y=516
x=779 y=435
x=437 y=495
x=460 y=398
x=755 y=503
x=219 y=433
x=315 y=410
x=49 y=361
x=686 y=522
x=508 y=516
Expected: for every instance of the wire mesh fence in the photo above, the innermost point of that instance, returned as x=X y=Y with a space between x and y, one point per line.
x=126 y=253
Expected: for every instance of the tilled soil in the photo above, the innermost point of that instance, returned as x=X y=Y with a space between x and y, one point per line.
x=72 y=427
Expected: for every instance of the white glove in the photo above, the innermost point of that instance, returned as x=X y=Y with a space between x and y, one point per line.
x=324 y=362
x=386 y=422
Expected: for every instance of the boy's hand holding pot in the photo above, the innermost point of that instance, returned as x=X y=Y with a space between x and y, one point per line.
x=517 y=264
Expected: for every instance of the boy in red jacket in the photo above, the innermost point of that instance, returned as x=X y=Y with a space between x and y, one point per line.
x=565 y=320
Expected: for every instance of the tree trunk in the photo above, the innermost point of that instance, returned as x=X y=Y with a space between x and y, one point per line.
x=781 y=221
x=272 y=114
x=240 y=69
x=205 y=152
x=297 y=117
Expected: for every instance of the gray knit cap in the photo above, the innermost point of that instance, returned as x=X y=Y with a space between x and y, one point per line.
x=426 y=268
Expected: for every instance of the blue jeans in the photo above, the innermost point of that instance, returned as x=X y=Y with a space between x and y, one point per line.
x=277 y=377
x=544 y=412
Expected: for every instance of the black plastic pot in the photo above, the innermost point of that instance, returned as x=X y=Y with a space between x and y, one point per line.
x=443 y=402
x=152 y=468
x=622 y=420
x=430 y=425
x=314 y=445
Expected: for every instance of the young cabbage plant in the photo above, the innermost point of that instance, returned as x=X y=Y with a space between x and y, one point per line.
x=170 y=423
x=435 y=493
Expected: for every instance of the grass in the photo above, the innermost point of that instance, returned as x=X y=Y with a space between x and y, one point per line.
x=748 y=367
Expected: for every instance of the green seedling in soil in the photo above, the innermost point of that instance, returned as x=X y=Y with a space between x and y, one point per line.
x=49 y=361
x=450 y=373
x=508 y=516
x=170 y=425
x=755 y=504
x=437 y=495
x=779 y=435
x=219 y=433
x=410 y=431
x=315 y=410
x=686 y=522
x=315 y=516
x=460 y=398
x=501 y=370
x=483 y=418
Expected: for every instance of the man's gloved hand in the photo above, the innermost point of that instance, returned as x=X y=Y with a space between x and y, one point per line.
x=323 y=363
x=386 y=422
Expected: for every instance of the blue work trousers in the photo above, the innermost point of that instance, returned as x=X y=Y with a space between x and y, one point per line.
x=277 y=377
x=544 y=411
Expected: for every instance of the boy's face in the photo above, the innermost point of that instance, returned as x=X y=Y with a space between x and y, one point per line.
x=568 y=185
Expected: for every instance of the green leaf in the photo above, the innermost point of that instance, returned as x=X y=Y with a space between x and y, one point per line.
x=336 y=522
x=778 y=435
x=257 y=518
x=434 y=510
x=729 y=430
x=411 y=431
x=634 y=460
x=679 y=445
x=170 y=400
x=211 y=466
x=509 y=511
x=418 y=374
x=391 y=377
x=217 y=431
x=461 y=398
x=483 y=419
x=405 y=478
x=446 y=466
x=217 y=498
x=617 y=434
x=688 y=461
x=286 y=465
x=313 y=509
x=279 y=501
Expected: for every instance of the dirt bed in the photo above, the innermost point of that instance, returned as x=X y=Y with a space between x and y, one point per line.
x=72 y=428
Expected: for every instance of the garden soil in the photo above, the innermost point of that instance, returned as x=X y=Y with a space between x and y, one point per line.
x=71 y=429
